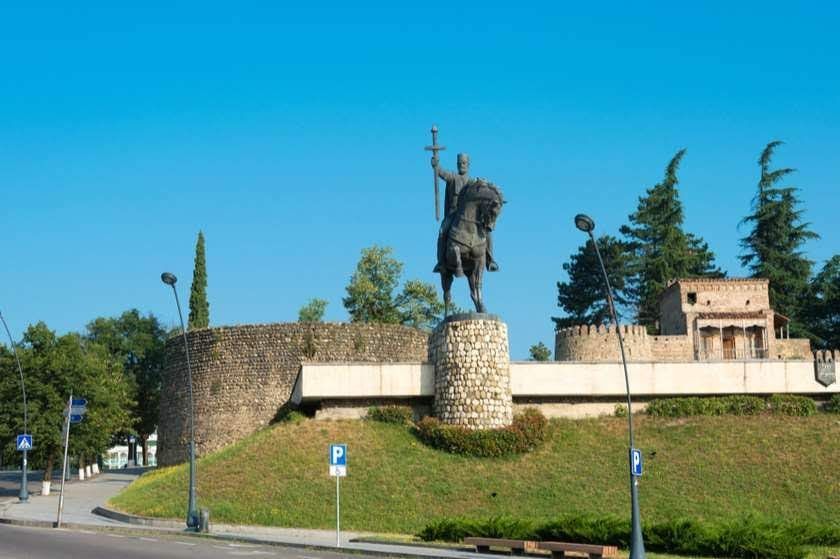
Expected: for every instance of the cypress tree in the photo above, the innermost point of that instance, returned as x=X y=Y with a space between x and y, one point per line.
x=772 y=248
x=199 y=307
x=660 y=250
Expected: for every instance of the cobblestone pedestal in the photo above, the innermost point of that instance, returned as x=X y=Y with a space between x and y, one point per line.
x=472 y=371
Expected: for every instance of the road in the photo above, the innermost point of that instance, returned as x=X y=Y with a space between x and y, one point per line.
x=18 y=542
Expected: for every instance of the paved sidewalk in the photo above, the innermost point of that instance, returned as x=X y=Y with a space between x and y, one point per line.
x=81 y=498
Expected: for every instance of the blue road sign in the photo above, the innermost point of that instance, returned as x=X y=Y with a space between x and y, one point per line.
x=338 y=455
x=636 y=461
x=24 y=442
x=79 y=402
x=74 y=418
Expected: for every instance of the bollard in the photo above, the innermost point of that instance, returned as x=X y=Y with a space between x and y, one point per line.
x=204 y=521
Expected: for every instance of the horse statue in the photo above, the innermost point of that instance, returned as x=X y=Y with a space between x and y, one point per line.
x=466 y=244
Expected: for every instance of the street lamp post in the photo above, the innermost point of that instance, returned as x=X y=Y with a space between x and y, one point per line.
x=24 y=489
x=637 y=544
x=192 y=511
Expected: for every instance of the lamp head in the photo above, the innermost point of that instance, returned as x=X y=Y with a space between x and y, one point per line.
x=168 y=279
x=584 y=223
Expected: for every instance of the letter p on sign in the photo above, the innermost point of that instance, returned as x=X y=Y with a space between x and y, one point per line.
x=635 y=461
x=338 y=460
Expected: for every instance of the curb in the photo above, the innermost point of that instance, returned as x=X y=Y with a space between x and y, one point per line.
x=172 y=525
x=136 y=520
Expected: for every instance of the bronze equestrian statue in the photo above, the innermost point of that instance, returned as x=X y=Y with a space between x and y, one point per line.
x=466 y=239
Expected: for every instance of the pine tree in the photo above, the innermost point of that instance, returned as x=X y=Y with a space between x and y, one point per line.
x=771 y=250
x=583 y=298
x=660 y=250
x=823 y=308
x=199 y=307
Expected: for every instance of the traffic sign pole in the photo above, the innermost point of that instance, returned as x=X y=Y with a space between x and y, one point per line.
x=64 y=466
x=337 y=512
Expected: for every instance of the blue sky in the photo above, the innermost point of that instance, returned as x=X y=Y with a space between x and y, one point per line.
x=293 y=138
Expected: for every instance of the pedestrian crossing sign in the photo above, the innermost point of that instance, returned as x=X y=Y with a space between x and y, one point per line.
x=24 y=442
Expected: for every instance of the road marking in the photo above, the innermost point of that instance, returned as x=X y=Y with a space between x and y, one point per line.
x=114 y=536
x=185 y=543
x=148 y=539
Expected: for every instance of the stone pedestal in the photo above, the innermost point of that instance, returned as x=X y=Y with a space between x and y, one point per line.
x=472 y=371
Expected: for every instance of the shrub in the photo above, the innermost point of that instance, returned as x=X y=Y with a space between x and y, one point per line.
x=724 y=405
x=620 y=410
x=746 y=537
x=456 y=529
x=525 y=434
x=288 y=415
x=401 y=415
x=606 y=530
x=833 y=405
x=791 y=404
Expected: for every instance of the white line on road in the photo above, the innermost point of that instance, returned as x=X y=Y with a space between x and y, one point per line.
x=148 y=539
x=114 y=536
x=185 y=543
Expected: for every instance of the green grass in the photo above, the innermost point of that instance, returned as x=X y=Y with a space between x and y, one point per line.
x=706 y=468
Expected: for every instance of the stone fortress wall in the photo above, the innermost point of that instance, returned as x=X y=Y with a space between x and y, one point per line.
x=242 y=375
x=598 y=344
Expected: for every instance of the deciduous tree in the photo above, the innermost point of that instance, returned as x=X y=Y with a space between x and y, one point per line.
x=539 y=352
x=313 y=311
x=370 y=293
x=137 y=343
x=419 y=305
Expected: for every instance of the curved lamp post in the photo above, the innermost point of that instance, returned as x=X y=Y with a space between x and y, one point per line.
x=192 y=511
x=637 y=544
x=24 y=489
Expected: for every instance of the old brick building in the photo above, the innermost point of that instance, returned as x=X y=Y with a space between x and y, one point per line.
x=701 y=319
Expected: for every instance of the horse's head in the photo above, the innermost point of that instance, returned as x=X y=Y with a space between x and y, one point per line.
x=489 y=199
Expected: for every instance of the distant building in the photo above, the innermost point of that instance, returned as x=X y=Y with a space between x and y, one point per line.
x=701 y=319
x=728 y=319
x=118 y=456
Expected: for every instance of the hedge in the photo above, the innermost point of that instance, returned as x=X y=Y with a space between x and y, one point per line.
x=525 y=433
x=747 y=537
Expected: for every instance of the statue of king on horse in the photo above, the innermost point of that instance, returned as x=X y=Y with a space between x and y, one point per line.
x=465 y=242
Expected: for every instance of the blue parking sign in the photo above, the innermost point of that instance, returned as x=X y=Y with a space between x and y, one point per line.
x=338 y=455
x=636 y=462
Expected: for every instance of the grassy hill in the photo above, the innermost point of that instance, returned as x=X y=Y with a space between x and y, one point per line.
x=706 y=468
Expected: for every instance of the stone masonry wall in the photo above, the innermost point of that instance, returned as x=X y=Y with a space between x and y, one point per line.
x=672 y=348
x=472 y=373
x=599 y=344
x=793 y=348
x=242 y=375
